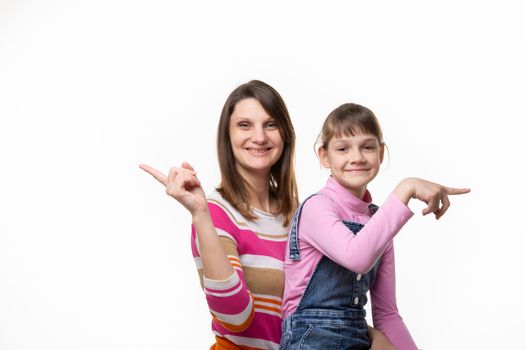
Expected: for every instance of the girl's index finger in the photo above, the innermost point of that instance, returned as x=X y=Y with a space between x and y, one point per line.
x=454 y=191
x=159 y=176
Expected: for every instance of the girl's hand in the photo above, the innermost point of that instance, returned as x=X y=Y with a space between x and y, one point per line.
x=431 y=193
x=183 y=185
x=379 y=340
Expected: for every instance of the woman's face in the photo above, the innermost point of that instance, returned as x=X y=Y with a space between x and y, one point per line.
x=255 y=138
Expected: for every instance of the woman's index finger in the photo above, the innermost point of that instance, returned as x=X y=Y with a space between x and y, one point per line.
x=159 y=176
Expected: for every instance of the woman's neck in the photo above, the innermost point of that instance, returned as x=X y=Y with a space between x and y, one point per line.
x=259 y=191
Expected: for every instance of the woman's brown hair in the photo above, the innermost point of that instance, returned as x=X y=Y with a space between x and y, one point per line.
x=283 y=187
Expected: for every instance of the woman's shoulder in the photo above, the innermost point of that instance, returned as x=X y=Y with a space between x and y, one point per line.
x=265 y=222
x=221 y=208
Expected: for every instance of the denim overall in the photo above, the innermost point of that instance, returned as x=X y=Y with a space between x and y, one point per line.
x=330 y=314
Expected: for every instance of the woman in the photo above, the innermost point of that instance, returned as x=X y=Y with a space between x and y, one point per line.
x=239 y=233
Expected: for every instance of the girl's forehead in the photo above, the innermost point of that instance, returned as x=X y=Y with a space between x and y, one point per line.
x=357 y=136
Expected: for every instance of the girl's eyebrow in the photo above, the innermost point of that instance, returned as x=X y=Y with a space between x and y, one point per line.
x=349 y=139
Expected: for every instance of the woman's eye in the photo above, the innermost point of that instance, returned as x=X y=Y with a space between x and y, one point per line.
x=271 y=125
x=243 y=125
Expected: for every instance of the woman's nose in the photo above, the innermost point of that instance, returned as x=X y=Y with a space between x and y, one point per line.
x=259 y=135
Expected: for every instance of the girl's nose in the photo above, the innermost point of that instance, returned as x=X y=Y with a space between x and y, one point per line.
x=357 y=157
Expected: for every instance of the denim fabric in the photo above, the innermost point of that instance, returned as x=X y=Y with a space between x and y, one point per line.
x=330 y=314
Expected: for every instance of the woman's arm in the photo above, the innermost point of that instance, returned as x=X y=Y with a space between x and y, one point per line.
x=183 y=185
x=216 y=257
x=229 y=300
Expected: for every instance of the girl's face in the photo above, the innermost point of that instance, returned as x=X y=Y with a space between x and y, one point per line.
x=353 y=160
x=255 y=138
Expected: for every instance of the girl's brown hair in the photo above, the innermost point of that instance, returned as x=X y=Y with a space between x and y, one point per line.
x=283 y=187
x=349 y=119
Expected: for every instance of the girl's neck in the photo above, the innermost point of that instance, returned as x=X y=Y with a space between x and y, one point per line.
x=357 y=192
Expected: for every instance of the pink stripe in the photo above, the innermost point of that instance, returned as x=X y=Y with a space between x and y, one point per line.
x=230 y=305
x=252 y=244
x=220 y=219
x=266 y=324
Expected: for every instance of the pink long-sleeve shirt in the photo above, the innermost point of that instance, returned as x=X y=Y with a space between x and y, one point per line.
x=322 y=232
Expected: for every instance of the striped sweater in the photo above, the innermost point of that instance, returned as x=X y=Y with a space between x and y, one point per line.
x=246 y=308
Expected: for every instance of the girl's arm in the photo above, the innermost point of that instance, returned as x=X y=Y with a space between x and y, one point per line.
x=321 y=224
x=321 y=227
x=385 y=315
x=429 y=192
x=378 y=340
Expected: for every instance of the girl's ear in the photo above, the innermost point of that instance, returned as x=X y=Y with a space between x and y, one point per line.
x=323 y=157
x=381 y=152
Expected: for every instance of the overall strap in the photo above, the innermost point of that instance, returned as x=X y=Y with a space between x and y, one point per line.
x=294 y=237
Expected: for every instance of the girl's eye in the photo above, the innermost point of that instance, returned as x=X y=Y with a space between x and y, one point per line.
x=369 y=147
x=341 y=149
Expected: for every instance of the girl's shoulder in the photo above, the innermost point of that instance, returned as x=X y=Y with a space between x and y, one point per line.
x=321 y=198
x=317 y=203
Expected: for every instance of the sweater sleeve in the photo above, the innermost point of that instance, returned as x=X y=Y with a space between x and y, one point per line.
x=385 y=315
x=321 y=226
x=230 y=302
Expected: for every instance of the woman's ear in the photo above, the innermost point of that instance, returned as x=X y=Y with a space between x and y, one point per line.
x=323 y=157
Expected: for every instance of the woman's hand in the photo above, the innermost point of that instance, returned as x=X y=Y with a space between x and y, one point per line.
x=183 y=185
x=379 y=340
x=429 y=192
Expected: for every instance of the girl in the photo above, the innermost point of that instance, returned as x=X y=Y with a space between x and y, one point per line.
x=239 y=232
x=340 y=244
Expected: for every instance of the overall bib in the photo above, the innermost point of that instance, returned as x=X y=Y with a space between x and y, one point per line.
x=330 y=314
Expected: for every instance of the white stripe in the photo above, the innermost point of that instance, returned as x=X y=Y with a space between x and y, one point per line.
x=223 y=295
x=262 y=261
x=265 y=303
x=273 y=239
x=236 y=319
x=198 y=262
x=228 y=283
x=254 y=343
x=269 y=312
x=222 y=233
x=266 y=296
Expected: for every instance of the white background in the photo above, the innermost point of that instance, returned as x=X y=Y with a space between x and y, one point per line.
x=93 y=254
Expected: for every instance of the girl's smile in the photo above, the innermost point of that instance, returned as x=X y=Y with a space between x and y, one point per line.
x=353 y=160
